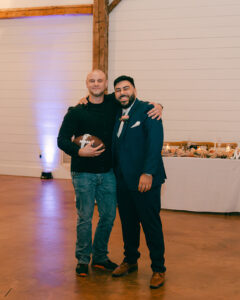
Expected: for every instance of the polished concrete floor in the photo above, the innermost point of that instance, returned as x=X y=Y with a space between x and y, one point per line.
x=37 y=239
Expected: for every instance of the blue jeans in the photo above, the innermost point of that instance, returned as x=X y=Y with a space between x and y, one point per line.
x=88 y=188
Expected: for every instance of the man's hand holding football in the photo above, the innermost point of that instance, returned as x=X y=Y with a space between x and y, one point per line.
x=89 y=151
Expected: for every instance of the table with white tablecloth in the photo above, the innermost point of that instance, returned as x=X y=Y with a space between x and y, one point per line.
x=201 y=184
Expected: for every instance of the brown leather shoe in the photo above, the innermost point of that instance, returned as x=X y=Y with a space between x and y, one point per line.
x=124 y=269
x=157 y=280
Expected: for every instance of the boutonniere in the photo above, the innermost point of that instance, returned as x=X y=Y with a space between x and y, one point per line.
x=124 y=118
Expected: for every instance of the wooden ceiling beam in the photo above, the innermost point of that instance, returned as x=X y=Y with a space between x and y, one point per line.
x=46 y=11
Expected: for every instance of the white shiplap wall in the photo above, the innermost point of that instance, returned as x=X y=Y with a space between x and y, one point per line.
x=44 y=61
x=186 y=55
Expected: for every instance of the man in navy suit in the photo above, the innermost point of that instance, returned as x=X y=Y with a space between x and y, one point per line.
x=139 y=169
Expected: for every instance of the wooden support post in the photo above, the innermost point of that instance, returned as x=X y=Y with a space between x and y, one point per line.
x=100 y=35
x=101 y=11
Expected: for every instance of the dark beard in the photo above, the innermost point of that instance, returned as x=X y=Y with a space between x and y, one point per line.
x=130 y=102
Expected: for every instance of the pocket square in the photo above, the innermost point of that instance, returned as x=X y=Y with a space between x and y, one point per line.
x=136 y=124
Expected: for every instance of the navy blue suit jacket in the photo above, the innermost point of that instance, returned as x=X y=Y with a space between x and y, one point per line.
x=138 y=149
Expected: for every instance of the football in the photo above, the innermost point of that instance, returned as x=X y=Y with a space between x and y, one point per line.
x=85 y=139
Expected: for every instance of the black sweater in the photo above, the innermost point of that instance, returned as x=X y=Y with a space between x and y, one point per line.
x=94 y=119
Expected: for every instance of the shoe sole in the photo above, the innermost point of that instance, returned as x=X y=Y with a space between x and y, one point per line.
x=102 y=268
x=156 y=286
x=82 y=275
x=126 y=273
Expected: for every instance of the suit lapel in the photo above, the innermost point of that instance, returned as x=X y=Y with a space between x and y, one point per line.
x=117 y=123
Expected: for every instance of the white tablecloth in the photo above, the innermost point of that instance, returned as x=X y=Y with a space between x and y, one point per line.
x=204 y=185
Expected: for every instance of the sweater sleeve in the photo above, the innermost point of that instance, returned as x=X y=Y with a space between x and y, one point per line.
x=66 y=132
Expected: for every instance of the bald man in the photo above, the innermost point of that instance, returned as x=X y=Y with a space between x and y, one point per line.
x=91 y=171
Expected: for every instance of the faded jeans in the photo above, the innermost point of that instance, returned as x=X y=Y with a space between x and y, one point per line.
x=88 y=188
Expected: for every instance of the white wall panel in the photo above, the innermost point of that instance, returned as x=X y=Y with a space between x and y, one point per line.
x=44 y=61
x=186 y=55
x=183 y=54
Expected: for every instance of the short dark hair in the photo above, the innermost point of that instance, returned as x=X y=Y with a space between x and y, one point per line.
x=123 y=78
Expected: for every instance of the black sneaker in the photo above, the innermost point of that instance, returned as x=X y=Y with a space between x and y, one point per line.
x=105 y=265
x=82 y=270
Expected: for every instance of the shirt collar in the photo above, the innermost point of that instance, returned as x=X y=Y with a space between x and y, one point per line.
x=125 y=111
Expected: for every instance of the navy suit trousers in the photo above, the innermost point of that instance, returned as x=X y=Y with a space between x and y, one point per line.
x=137 y=208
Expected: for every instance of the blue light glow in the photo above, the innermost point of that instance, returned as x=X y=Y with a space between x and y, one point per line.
x=48 y=153
x=49 y=94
